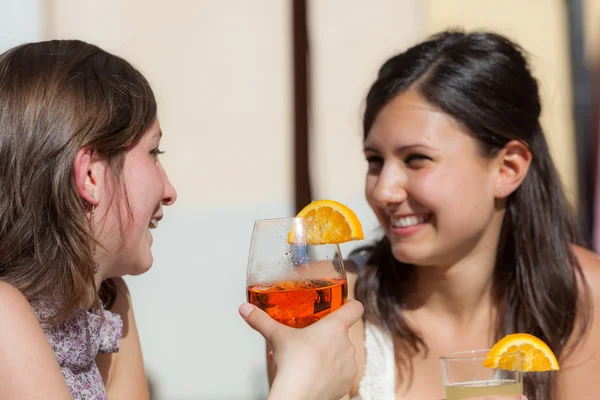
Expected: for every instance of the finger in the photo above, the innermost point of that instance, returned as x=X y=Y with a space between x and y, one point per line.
x=349 y=313
x=260 y=321
x=515 y=397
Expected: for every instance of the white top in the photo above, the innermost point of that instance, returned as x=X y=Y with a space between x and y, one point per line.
x=378 y=381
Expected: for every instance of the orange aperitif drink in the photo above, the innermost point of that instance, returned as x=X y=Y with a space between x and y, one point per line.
x=299 y=303
x=295 y=269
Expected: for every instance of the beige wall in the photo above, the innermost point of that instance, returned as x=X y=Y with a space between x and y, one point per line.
x=226 y=98
x=221 y=72
x=350 y=40
x=222 y=75
x=540 y=26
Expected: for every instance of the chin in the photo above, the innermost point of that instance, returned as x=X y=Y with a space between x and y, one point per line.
x=141 y=268
x=411 y=255
x=139 y=271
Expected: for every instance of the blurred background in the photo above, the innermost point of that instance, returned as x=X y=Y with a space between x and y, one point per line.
x=260 y=105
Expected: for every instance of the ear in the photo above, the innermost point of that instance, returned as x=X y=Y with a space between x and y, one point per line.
x=89 y=175
x=513 y=163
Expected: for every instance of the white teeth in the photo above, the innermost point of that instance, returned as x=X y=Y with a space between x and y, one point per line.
x=153 y=223
x=405 y=222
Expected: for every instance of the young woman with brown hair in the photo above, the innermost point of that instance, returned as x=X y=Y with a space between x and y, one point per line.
x=81 y=186
x=479 y=240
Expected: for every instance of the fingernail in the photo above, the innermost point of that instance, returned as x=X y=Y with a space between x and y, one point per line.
x=245 y=310
x=523 y=398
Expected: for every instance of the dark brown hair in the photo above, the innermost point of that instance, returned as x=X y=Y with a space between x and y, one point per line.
x=483 y=81
x=57 y=97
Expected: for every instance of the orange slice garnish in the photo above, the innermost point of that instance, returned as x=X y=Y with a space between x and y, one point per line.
x=536 y=356
x=329 y=222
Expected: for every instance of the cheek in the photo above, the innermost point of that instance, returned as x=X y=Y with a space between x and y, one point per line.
x=370 y=183
x=145 y=193
x=429 y=188
x=462 y=194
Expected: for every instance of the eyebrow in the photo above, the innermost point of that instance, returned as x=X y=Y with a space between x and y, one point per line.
x=399 y=149
x=159 y=133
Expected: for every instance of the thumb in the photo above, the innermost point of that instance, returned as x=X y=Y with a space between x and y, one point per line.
x=260 y=321
x=349 y=313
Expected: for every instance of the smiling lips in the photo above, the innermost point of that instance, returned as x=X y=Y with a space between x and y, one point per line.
x=154 y=222
x=409 y=220
x=408 y=224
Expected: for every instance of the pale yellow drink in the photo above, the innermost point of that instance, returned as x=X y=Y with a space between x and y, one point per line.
x=458 y=391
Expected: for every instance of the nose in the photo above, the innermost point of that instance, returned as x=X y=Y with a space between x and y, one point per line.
x=170 y=195
x=390 y=187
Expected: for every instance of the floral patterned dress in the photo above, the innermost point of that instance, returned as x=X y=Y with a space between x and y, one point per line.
x=76 y=342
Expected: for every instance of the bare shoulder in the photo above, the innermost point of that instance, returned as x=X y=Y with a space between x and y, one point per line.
x=590 y=265
x=16 y=315
x=25 y=352
x=15 y=310
x=582 y=356
x=11 y=298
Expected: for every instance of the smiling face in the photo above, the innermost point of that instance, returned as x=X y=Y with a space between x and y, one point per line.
x=428 y=183
x=124 y=232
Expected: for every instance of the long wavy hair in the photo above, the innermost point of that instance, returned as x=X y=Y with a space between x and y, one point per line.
x=483 y=81
x=57 y=97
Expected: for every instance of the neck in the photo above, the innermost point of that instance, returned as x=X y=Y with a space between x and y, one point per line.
x=461 y=290
x=98 y=278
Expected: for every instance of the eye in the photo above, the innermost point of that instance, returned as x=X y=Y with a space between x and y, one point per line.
x=375 y=163
x=156 y=152
x=416 y=160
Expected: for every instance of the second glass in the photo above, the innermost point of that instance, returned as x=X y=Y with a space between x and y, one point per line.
x=294 y=282
x=464 y=376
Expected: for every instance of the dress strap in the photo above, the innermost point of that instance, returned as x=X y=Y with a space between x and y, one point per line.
x=378 y=381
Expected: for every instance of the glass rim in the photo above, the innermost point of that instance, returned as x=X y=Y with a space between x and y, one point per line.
x=279 y=219
x=474 y=355
x=262 y=224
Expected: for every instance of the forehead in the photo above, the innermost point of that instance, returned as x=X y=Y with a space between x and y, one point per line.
x=154 y=132
x=409 y=120
x=150 y=138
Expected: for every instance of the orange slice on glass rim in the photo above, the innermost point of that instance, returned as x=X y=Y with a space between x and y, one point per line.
x=329 y=222
x=536 y=356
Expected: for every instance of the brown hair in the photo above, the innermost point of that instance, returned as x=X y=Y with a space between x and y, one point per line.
x=57 y=97
x=483 y=81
